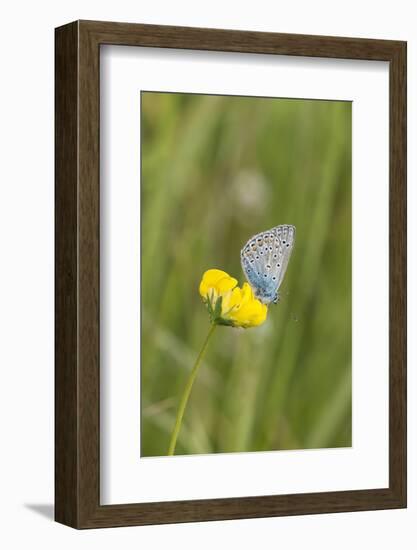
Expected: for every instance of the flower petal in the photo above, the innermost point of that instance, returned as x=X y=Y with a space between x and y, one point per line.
x=231 y=300
x=251 y=312
x=217 y=279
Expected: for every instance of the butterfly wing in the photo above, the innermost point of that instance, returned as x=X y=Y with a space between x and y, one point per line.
x=285 y=239
x=265 y=260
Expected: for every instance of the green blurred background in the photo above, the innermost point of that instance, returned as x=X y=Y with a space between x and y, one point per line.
x=215 y=171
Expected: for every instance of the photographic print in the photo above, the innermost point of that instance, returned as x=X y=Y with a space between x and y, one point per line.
x=223 y=302
x=245 y=274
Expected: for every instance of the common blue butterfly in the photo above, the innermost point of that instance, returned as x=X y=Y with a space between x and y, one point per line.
x=264 y=260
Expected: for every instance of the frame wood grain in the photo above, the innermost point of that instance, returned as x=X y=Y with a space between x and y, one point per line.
x=77 y=374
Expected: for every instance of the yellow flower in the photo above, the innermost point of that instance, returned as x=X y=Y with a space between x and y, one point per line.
x=228 y=304
x=215 y=283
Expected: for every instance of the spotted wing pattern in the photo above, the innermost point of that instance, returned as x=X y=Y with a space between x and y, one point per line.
x=265 y=260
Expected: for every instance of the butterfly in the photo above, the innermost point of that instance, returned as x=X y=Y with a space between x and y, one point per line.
x=264 y=260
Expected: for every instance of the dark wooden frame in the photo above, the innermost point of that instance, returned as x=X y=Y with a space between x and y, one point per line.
x=77 y=274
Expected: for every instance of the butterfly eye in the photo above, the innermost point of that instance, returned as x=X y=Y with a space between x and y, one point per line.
x=257 y=257
x=278 y=265
x=270 y=248
x=273 y=278
x=288 y=245
x=275 y=256
x=283 y=242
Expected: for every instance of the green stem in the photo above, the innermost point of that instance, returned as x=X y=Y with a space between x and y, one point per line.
x=187 y=391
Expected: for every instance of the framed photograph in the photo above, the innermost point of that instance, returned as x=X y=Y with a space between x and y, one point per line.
x=230 y=274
